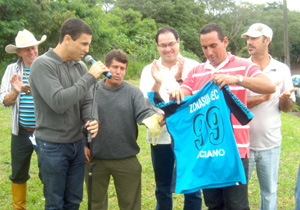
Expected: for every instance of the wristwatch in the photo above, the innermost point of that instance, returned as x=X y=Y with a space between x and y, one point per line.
x=179 y=80
x=240 y=79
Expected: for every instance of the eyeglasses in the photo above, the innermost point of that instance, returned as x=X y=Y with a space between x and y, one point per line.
x=164 y=46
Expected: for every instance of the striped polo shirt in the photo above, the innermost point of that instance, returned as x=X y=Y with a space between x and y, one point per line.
x=26 y=109
x=233 y=66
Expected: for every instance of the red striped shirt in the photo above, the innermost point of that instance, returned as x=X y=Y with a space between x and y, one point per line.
x=233 y=66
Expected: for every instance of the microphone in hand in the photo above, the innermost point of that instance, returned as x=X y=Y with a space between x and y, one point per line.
x=89 y=59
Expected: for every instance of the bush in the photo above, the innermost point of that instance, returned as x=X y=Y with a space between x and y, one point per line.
x=3 y=66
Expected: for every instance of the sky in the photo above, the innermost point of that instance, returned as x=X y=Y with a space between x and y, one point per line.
x=291 y=4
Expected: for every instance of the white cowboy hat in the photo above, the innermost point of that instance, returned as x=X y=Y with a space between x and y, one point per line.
x=24 y=39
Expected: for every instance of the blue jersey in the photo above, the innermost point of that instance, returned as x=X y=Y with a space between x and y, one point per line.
x=204 y=144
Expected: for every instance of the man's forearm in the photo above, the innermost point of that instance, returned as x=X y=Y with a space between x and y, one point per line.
x=156 y=87
x=10 y=98
x=256 y=100
x=259 y=84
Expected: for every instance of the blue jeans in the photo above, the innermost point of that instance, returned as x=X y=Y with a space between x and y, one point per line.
x=267 y=165
x=163 y=166
x=297 y=191
x=62 y=168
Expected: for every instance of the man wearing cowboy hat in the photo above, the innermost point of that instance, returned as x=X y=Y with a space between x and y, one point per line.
x=15 y=92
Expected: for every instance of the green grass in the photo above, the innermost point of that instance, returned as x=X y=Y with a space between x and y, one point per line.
x=35 y=200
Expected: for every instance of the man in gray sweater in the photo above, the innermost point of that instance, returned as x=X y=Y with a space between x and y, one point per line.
x=120 y=107
x=60 y=85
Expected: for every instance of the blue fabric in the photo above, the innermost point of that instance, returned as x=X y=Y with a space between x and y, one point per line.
x=204 y=144
x=163 y=165
x=62 y=169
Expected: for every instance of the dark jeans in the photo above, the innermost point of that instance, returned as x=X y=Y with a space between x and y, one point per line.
x=229 y=198
x=62 y=169
x=163 y=165
x=21 y=152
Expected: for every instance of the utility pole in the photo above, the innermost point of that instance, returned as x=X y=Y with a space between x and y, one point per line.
x=286 y=35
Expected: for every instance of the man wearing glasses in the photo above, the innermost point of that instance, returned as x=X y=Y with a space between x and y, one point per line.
x=172 y=69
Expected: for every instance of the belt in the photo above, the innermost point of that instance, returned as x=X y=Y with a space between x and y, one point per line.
x=28 y=129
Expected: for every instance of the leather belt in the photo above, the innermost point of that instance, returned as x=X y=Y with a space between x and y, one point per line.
x=28 y=129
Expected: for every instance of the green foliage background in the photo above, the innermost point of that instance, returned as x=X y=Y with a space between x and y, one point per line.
x=131 y=25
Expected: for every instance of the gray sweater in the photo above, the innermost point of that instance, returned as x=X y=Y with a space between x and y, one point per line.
x=119 y=111
x=62 y=97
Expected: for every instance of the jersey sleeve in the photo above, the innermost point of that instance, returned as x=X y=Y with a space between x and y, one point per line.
x=238 y=109
x=168 y=107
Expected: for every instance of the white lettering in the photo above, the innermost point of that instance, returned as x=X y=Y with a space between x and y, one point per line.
x=214 y=95
x=211 y=153
x=200 y=103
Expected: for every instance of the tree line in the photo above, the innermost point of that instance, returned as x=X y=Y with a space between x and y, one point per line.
x=131 y=25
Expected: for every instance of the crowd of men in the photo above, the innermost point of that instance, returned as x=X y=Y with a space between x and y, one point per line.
x=52 y=101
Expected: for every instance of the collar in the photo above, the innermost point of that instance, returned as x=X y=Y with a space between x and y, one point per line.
x=228 y=59
x=270 y=67
x=19 y=65
x=58 y=59
x=104 y=86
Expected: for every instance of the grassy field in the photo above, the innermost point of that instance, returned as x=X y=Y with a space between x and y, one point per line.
x=35 y=200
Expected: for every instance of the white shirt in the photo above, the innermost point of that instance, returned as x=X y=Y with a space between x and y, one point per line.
x=168 y=83
x=14 y=68
x=265 y=127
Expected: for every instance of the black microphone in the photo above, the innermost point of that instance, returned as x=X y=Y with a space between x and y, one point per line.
x=89 y=59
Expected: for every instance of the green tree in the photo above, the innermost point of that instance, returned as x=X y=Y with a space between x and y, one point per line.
x=133 y=34
x=184 y=15
x=40 y=17
x=294 y=36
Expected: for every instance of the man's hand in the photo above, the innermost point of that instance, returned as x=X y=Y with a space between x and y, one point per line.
x=26 y=89
x=92 y=127
x=177 y=94
x=87 y=154
x=222 y=80
x=285 y=102
x=17 y=83
x=162 y=119
x=180 y=64
x=97 y=69
x=287 y=94
x=155 y=72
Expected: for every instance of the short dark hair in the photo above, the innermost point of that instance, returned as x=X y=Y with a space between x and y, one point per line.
x=74 y=27
x=118 y=55
x=213 y=27
x=166 y=29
